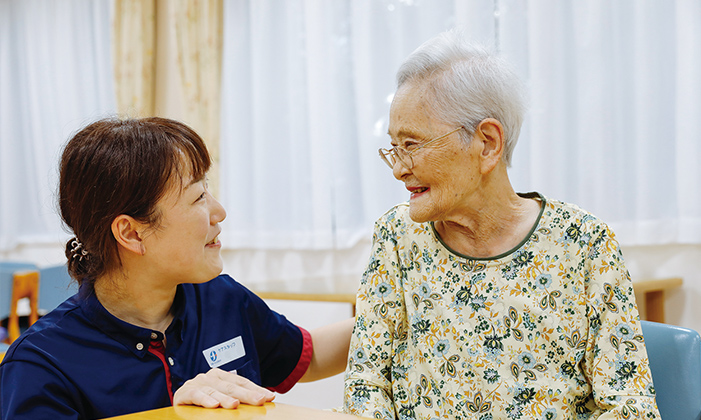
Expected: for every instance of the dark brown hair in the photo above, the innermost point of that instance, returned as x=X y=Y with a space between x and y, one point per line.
x=114 y=167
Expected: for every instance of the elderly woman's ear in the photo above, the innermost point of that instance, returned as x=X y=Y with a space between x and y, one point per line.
x=490 y=133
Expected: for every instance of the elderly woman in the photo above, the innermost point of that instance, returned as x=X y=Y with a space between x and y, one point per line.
x=479 y=302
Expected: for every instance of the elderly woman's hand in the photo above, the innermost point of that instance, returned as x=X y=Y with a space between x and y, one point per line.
x=219 y=388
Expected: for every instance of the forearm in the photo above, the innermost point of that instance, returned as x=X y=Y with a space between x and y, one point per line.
x=331 y=343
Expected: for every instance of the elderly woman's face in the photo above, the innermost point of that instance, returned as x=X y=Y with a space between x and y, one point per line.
x=445 y=173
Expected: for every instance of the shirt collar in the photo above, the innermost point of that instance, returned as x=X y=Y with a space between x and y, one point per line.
x=133 y=338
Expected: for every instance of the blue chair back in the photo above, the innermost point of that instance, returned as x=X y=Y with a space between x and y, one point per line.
x=55 y=286
x=675 y=362
x=7 y=270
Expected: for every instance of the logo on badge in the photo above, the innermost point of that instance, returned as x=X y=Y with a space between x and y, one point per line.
x=213 y=356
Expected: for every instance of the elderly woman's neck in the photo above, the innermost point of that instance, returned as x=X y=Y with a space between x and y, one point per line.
x=136 y=301
x=494 y=225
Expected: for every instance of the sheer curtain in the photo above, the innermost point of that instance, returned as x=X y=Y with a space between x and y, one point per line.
x=55 y=76
x=612 y=124
x=305 y=100
x=615 y=99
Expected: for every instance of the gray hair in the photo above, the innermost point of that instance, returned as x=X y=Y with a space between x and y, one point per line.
x=468 y=83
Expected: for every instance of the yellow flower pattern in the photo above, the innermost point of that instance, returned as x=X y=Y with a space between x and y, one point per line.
x=549 y=330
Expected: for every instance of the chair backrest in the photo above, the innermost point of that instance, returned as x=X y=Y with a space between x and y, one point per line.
x=7 y=270
x=55 y=286
x=25 y=284
x=675 y=362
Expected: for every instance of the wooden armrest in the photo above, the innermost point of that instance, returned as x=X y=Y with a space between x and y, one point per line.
x=645 y=286
x=314 y=297
x=650 y=295
x=317 y=297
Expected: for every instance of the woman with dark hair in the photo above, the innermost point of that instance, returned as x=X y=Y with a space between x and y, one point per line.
x=154 y=323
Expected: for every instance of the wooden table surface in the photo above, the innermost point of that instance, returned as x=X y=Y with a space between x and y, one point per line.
x=269 y=411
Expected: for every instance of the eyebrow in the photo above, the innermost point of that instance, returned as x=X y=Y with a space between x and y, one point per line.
x=406 y=132
x=195 y=181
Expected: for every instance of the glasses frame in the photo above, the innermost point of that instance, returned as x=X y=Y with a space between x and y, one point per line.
x=403 y=156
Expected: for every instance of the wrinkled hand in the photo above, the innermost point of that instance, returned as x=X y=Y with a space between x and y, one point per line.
x=220 y=388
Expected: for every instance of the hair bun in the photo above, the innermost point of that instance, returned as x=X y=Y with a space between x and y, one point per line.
x=78 y=258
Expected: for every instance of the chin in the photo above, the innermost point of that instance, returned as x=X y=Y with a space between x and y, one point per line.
x=417 y=215
x=210 y=273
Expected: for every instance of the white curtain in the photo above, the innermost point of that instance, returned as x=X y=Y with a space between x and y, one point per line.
x=615 y=103
x=613 y=122
x=306 y=91
x=55 y=77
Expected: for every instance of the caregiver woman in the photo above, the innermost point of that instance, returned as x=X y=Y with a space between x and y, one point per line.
x=153 y=323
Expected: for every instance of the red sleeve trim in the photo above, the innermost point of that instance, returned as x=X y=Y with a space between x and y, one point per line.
x=302 y=365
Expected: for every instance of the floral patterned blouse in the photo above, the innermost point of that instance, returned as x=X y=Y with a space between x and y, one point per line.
x=548 y=330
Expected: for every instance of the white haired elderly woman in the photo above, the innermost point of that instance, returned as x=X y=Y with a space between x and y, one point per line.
x=479 y=302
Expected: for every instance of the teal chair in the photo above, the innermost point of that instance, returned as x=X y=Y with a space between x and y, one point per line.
x=55 y=286
x=675 y=362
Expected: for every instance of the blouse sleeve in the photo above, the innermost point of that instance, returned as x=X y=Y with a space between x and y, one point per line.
x=615 y=361
x=379 y=321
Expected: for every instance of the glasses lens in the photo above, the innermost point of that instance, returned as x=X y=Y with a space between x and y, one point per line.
x=390 y=157
x=387 y=157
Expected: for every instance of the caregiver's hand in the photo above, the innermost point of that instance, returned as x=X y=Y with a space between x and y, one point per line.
x=218 y=388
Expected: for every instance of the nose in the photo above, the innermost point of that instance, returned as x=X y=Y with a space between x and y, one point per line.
x=399 y=170
x=217 y=214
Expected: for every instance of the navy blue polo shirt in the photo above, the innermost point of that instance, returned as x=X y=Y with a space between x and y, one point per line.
x=81 y=362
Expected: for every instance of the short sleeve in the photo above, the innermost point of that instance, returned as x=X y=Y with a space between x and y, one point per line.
x=284 y=349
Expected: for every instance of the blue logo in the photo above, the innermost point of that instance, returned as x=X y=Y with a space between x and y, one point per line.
x=213 y=356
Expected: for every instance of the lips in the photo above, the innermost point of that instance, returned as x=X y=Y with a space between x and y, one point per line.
x=417 y=190
x=215 y=240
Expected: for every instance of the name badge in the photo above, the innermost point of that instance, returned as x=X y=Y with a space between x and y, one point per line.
x=225 y=352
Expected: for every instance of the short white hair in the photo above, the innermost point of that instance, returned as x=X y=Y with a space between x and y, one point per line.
x=468 y=83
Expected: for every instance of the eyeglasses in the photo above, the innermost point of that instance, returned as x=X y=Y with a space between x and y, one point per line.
x=390 y=157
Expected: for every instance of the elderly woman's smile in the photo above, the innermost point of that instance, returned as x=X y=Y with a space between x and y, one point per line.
x=415 y=191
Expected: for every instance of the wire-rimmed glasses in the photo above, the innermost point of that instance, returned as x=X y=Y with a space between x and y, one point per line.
x=391 y=156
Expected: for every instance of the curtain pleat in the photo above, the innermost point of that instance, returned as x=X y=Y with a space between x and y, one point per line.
x=198 y=36
x=134 y=49
x=168 y=64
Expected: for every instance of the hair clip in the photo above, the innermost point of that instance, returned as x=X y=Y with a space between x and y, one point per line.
x=77 y=250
